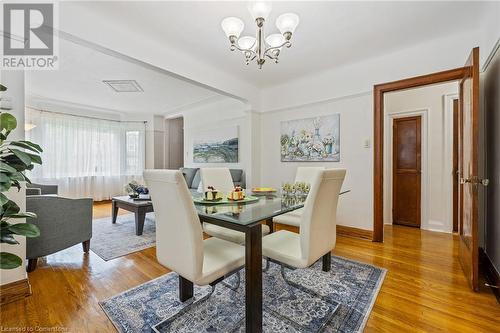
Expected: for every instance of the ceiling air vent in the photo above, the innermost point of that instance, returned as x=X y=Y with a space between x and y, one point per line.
x=124 y=85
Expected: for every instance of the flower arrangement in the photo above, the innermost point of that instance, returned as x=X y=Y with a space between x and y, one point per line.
x=134 y=189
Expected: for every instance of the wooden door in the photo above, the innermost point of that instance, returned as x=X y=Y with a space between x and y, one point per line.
x=468 y=167
x=406 y=171
x=455 y=180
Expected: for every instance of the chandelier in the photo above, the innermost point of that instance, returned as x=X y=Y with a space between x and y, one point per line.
x=259 y=48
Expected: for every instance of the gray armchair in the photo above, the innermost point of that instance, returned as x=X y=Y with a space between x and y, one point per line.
x=63 y=223
x=39 y=189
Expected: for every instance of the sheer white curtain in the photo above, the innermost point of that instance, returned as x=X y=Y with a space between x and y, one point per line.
x=86 y=157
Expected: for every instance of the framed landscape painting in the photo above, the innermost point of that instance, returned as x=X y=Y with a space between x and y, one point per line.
x=311 y=139
x=216 y=146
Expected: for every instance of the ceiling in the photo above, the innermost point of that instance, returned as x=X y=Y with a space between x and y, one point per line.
x=79 y=81
x=330 y=34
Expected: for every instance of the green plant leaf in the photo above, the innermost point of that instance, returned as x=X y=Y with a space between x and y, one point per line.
x=8 y=238
x=35 y=158
x=4 y=167
x=3 y=199
x=25 y=229
x=9 y=260
x=10 y=208
x=7 y=122
x=2 y=87
x=23 y=145
x=5 y=186
x=23 y=215
x=33 y=145
x=24 y=157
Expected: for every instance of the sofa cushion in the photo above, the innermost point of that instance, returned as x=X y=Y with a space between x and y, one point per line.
x=196 y=180
x=236 y=175
x=189 y=174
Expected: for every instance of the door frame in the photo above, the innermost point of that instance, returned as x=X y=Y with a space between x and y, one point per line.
x=378 y=135
x=424 y=163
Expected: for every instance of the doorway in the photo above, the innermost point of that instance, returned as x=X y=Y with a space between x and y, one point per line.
x=174 y=145
x=406 y=171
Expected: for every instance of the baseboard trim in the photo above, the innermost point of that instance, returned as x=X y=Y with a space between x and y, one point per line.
x=342 y=230
x=491 y=274
x=14 y=291
x=345 y=231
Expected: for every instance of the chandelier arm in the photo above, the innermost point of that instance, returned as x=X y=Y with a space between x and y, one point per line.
x=236 y=47
x=287 y=44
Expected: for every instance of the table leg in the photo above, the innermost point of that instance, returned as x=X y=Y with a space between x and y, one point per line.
x=253 y=278
x=186 y=289
x=114 y=211
x=140 y=216
x=270 y=224
x=327 y=262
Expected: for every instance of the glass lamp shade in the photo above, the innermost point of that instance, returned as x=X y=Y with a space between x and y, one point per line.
x=259 y=9
x=287 y=22
x=246 y=42
x=275 y=40
x=232 y=26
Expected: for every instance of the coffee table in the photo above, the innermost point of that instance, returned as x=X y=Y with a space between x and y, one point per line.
x=138 y=207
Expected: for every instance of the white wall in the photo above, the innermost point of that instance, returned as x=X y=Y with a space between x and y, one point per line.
x=432 y=103
x=428 y=57
x=355 y=209
x=222 y=113
x=14 y=81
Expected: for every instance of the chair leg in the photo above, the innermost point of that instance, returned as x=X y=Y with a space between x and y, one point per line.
x=237 y=284
x=86 y=246
x=186 y=289
x=32 y=265
x=327 y=262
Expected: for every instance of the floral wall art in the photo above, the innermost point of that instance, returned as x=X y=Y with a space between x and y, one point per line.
x=311 y=139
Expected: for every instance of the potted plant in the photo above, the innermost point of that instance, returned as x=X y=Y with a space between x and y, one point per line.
x=13 y=163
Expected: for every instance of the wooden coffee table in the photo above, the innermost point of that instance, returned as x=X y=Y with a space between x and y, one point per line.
x=138 y=207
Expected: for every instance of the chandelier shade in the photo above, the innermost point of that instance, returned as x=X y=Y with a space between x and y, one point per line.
x=246 y=42
x=287 y=22
x=275 y=40
x=232 y=26
x=259 y=9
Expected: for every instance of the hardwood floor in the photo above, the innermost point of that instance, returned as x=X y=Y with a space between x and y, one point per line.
x=424 y=289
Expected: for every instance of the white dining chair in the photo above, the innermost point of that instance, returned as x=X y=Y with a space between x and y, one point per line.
x=307 y=175
x=179 y=237
x=220 y=179
x=318 y=226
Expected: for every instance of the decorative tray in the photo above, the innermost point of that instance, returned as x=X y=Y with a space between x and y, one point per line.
x=263 y=190
x=247 y=199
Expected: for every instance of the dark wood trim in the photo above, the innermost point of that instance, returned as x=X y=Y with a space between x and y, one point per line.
x=378 y=135
x=14 y=291
x=490 y=273
x=345 y=231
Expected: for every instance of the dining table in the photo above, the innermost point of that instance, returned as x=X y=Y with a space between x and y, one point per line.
x=248 y=218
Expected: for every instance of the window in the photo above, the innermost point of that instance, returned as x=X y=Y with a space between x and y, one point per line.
x=85 y=155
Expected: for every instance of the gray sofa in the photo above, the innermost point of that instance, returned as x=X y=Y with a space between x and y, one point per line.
x=193 y=178
x=63 y=223
x=40 y=189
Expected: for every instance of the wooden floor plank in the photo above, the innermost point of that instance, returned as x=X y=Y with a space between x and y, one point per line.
x=424 y=290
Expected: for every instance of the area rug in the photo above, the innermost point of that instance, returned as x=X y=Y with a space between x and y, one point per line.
x=111 y=241
x=311 y=301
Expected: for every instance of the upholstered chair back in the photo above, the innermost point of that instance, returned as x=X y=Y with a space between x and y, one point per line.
x=318 y=221
x=307 y=174
x=179 y=237
x=220 y=178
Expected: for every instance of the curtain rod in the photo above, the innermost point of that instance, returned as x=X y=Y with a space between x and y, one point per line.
x=89 y=117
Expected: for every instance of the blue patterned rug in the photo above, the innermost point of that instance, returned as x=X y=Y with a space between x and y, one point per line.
x=312 y=300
